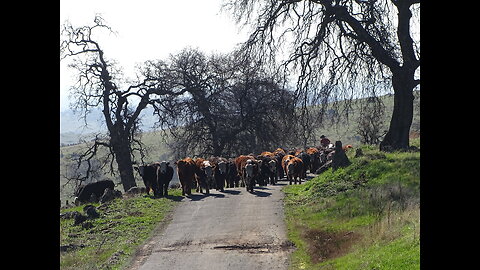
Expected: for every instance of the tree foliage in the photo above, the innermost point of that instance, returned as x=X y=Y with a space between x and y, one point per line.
x=231 y=106
x=340 y=50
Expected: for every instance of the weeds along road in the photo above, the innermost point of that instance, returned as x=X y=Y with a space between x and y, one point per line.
x=233 y=229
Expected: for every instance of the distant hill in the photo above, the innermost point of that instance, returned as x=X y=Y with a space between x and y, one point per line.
x=72 y=127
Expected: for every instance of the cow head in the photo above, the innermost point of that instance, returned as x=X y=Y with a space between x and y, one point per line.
x=208 y=168
x=222 y=167
x=163 y=166
x=249 y=168
x=272 y=165
x=290 y=168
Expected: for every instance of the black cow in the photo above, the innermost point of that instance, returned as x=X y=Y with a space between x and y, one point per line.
x=85 y=192
x=267 y=170
x=232 y=179
x=164 y=176
x=220 y=171
x=149 y=176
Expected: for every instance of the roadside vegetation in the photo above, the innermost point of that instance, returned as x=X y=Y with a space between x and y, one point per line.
x=110 y=241
x=364 y=216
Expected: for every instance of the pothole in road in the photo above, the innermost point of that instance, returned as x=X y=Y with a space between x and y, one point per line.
x=258 y=248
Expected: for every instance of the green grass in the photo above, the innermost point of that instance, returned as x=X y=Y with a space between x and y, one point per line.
x=375 y=200
x=123 y=225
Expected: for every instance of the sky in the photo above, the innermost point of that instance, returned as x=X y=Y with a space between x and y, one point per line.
x=151 y=29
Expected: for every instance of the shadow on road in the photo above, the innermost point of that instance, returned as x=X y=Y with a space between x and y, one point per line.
x=233 y=192
x=198 y=197
x=261 y=193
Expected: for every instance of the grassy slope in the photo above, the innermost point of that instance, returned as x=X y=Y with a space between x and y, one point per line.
x=122 y=226
x=367 y=215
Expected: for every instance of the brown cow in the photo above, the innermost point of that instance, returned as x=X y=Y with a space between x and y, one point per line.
x=267 y=154
x=315 y=162
x=279 y=154
x=279 y=151
x=186 y=174
x=346 y=147
x=240 y=163
x=204 y=175
x=293 y=167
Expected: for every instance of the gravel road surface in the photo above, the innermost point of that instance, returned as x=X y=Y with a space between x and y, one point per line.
x=233 y=229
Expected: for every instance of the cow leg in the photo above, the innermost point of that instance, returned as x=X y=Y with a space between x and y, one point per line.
x=207 y=187
x=188 y=188
x=160 y=190
x=220 y=184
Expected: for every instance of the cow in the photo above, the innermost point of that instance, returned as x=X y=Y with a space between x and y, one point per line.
x=279 y=154
x=306 y=161
x=293 y=167
x=149 y=176
x=315 y=162
x=164 y=176
x=346 y=147
x=250 y=174
x=84 y=193
x=186 y=174
x=220 y=172
x=240 y=163
x=204 y=175
x=268 y=168
x=232 y=178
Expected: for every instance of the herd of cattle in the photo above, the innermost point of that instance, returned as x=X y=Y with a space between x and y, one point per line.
x=244 y=170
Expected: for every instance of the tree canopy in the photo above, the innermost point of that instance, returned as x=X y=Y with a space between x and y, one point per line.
x=340 y=50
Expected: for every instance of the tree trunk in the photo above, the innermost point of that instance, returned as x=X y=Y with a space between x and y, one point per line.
x=121 y=148
x=124 y=163
x=397 y=137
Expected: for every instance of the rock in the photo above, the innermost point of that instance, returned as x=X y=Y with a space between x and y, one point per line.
x=136 y=190
x=68 y=215
x=87 y=225
x=91 y=211
x=108 y=195
x=358 y=152
x=79 y=219
x=69 y=247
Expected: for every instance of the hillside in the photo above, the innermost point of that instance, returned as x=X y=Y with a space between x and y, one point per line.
x=364 y=216
x=72 y=127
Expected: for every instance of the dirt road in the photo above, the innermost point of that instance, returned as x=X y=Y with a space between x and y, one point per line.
x=225 y=230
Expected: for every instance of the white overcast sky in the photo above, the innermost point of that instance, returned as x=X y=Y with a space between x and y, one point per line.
x=151 y=29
